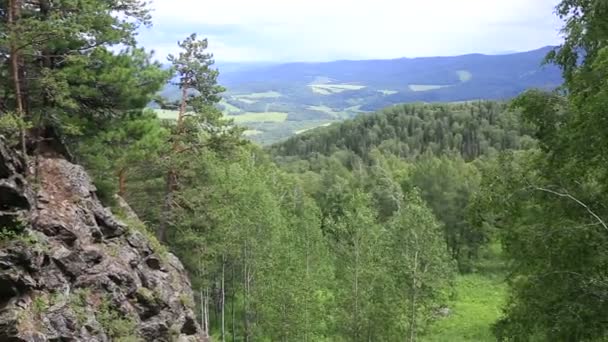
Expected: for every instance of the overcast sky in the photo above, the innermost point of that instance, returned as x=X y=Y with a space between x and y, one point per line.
x=321 y=30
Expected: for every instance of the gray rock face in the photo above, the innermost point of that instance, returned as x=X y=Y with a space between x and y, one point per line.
x=73 y=272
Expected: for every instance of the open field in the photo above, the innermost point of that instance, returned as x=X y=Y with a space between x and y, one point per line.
x=257 y=96
x=464 y=75
x=240 y=118
x=246 y=100
x=252 y=132
x=308 y=129
x=477 y=304
x=330 y=111
x=328 y=89
x=229 y=108
x=387 y=92
x=166 y=114
x=426 y=87
x=258 y=117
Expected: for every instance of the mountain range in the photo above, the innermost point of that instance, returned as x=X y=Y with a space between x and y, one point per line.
x=278 y=100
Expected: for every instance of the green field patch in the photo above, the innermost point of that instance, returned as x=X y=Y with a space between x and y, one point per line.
x=258 y=117
x=356 y=108
x=308 y=129
x=387 y=92
x=426 y=87
x=251 y=132
x=246 y=100
x=258 y=96
x=464 y=75
x=166 y=114
x=238 y=118
x=328 y=89
x=477 y=304
x=229 y=108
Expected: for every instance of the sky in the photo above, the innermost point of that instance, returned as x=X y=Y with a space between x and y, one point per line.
x=324 y=30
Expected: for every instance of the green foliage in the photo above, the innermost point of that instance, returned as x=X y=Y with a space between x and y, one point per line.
x=447 y=185
x=40 y=305
x=469 y=129
x=477 y=302
x=118 y=326
x=79 y=302
x=74 y=80
x=11 y=125
x=548 y=204
x=16 y=231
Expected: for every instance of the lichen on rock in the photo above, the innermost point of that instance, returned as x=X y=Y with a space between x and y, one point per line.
x=71 y=271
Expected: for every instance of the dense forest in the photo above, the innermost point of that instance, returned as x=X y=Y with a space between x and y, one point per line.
x=352 y=232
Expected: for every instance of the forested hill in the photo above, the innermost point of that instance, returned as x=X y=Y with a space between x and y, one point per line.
x=470 y=129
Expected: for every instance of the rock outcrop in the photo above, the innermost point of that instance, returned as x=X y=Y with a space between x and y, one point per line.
x=71 y=271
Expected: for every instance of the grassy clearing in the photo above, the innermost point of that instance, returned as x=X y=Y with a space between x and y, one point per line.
x=356 y=108
x=330 y=111
x=328 y=89
x=386 y=92
x=477 y=304
x=308 y=129
x=259 y=117
x=246 y=100
x=229 y=108
x=464 y=75
x=426 y=87
x=252 y=132
x=166 y=114
x=240 y=118
x=257 y=96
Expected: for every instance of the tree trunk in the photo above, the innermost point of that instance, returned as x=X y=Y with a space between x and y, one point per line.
x=13 y=16
x=171 y=181
x=182 y=109
x=413 y=306
x=246 y=300
x=204 y=302
x=167 y=211
x=356 y=320
x=233 y=298
x=122 y=182
x=223 y=298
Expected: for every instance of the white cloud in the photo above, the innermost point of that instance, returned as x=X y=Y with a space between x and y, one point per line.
x=333 y=29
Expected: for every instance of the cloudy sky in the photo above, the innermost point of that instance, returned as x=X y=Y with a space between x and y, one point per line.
x=321 y=30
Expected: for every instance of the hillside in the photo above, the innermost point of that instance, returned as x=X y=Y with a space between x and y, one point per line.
x=278 y=101
x=72 y=271
x=410 y=130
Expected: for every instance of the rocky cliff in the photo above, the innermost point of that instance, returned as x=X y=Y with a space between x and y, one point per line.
x=71 y=271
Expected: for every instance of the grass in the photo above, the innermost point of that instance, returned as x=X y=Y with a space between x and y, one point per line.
x=252 y=132
x=259 y=117
x=387 y=92
x=229 y=108
x=328 y=89
x=239 y=118
x=477 y=304
x=464 y=75
x=166 y=114
x=426 y=87
x=255 y=96
x=356 y=108
x=330 y=111
x=308 y=129
x=246 y=100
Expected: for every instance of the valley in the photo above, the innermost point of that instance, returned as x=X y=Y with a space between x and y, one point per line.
x=277 y=101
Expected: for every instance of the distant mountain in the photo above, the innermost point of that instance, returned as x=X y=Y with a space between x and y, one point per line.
x=428 y=79
x=278 y=100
